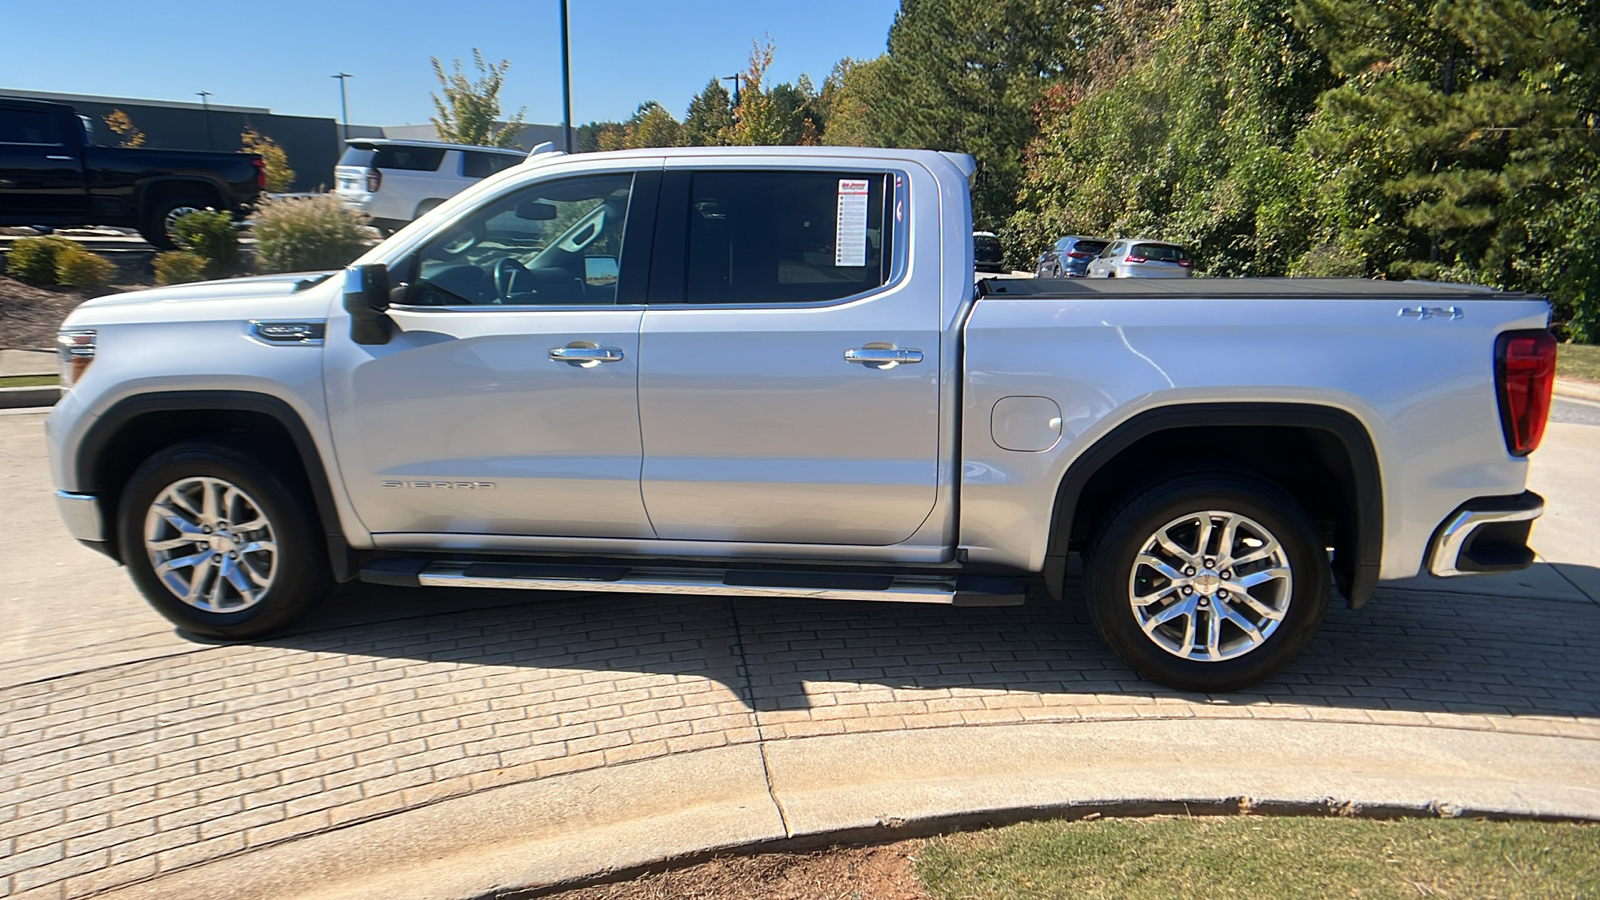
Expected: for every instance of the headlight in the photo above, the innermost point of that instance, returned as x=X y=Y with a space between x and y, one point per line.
x=75 y=351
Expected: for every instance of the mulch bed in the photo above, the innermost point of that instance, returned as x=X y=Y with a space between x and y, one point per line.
x=30 y=315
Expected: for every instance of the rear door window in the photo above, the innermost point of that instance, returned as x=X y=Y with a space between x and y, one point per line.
x=27 y=126
x=1159 y=252
x=412 y=159
x=478 y=164
x=786 y=236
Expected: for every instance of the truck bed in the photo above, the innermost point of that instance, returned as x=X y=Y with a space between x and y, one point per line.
x=1239 y=288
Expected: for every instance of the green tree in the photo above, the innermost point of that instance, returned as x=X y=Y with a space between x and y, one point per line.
x=650 y=126
x=757 y=119
x=965 y=75
x=710 y=116
x=846 y=93
x=1191 y=141
x=1458 y=131
x=469 y=111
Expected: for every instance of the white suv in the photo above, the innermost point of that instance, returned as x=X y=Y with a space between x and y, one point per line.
x=394 y=182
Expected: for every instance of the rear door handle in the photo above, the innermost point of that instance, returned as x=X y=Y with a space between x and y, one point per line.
x=881 y=357
x=586 y=357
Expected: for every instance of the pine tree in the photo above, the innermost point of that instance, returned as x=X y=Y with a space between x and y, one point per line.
x=709 y=117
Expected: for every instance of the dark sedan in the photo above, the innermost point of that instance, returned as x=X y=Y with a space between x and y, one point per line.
x=986 y=253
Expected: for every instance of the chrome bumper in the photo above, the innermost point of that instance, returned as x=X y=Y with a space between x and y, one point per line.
x=1486 y=535
x=81 y=512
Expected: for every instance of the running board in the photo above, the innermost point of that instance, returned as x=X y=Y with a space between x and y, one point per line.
x=953 y=590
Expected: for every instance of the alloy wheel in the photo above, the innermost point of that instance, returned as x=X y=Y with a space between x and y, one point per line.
x=1210 y=586
x=211 y=544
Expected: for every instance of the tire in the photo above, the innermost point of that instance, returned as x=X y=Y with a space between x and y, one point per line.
x=156 y=229
x=1285 y=606
x=280 y=568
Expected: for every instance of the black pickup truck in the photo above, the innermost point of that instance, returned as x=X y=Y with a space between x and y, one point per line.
x=52 y=173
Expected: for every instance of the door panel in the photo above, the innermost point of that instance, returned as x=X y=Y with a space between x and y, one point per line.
x=463 y=424
x=506 y=401
x=755 y=426
x=40 y=175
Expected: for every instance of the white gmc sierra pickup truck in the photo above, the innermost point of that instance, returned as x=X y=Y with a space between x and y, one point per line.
x=768 y=373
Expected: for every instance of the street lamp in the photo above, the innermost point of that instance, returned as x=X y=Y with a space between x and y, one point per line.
x=344 y=105
x=735 y=79
x=205 y=102
x=566 y=81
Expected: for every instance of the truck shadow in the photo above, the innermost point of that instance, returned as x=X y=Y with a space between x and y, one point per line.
x=1424 y=651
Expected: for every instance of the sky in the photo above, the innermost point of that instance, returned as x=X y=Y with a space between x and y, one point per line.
x=282 y=54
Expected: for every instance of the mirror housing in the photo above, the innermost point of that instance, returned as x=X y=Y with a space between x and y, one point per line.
x=366 y=296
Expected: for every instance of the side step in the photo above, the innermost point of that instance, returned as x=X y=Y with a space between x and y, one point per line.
x=953 y=590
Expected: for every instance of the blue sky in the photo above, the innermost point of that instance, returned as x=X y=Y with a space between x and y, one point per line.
x=280 y=53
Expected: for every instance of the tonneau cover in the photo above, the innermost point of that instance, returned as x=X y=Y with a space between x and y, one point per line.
x=1237 y=288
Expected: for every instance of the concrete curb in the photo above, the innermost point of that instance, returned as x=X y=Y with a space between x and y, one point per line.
x=25 y=397
x=1578 y=389
x=524 y=839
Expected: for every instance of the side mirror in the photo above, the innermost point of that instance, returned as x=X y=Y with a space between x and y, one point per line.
x=366 y=296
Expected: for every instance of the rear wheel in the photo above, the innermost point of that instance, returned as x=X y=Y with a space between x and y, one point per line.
x=163 y=215
x=1207 y=582
x=221 y=542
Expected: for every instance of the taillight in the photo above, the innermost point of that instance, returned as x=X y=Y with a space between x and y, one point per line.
x=1079 y=255
x=1133 y=259
x=1525 y=374
x=1186 y=263
x=374 y=180
x=261 y=173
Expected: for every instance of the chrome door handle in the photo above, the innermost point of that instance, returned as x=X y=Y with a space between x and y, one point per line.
x=585 y=357
x=882 y=357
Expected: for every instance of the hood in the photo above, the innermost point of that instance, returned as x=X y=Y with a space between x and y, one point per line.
x=260 y=287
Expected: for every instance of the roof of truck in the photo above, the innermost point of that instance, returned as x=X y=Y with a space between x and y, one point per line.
x=1239 y=288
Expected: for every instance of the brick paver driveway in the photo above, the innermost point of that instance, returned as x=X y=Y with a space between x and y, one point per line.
x=113 y=773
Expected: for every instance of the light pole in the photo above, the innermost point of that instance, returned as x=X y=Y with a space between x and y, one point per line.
x=566 y=81
x=205 y=102
x=735 y=79
x=344 y=105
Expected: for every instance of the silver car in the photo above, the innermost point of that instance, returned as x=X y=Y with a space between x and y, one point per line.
x=1139 y=258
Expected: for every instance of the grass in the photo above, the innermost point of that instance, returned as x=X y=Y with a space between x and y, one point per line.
x=1579 y=361
x=1249 y=856
x=28 y=380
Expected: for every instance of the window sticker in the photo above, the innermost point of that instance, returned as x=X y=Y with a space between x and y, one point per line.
x=850 y=240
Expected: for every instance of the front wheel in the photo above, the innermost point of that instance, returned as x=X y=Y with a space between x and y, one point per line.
x=220 y=542
x=1208 y=581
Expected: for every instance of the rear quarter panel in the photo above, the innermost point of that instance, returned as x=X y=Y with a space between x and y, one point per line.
x=1423 y=389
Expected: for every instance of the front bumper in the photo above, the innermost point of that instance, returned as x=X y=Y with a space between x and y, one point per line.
x=86 y=521
x=1485 y=535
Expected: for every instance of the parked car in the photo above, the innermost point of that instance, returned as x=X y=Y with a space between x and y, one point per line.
x=987 y=255
x=1069 y=257
x=712 y=372
x=52 y=173
x=1140 y=258
x=396 y=182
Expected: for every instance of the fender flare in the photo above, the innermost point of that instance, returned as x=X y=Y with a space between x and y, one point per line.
x=109 y=424
x=1356 y=577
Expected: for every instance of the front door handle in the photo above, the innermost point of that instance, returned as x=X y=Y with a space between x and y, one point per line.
x=882 y=356
x=585 y=355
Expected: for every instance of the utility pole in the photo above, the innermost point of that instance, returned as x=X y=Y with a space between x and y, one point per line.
x=205 y=102
x=735 y=79
x=344 y=105
x=566 y=80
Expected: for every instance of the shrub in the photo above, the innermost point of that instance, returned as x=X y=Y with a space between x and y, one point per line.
x=298 y=234
x=77 y=267
x=211 y=235
x=179 y=267
x=34 y=258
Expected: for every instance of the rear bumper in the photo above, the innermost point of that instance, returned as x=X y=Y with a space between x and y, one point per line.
x=1485 y=535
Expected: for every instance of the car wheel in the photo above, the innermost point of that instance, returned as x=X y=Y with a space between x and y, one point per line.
x=159 y=224
x=221 y=542
x=1210 y=581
